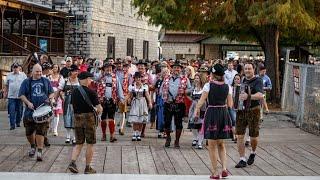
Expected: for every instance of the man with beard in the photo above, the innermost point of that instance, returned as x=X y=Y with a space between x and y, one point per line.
x=250 y=115
x=174 y=89
x=111 y=93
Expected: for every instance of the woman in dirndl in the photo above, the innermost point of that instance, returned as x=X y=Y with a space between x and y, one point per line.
x=67 y=86
x=195 y=124
x=217 y=123
x=55 y=78
x=140 y=101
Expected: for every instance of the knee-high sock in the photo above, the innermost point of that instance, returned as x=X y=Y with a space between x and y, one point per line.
x=73 y=136
x=200 y=139
x=55 y=124
x=112 y=126
x=68 y=133
x=104 y=127
x=195 y=134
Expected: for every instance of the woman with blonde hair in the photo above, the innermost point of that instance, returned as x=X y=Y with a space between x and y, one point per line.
x=195 y=124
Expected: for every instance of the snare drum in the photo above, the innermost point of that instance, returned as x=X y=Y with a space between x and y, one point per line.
x=42 y=114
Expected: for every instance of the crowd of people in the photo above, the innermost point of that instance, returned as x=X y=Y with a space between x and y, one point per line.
x=87 y=94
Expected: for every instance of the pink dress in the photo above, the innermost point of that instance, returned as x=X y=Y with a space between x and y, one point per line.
x=55 y=84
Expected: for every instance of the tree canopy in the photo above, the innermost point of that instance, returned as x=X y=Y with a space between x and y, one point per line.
x=292 y=22
x=298 y=20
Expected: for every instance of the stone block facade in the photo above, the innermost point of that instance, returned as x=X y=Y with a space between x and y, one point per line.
x=176 y=50
x=96 y=20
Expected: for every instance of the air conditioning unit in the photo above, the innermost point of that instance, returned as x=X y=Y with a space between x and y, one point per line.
x=59 y=2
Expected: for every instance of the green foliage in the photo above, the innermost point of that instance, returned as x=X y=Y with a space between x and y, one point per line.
x=298 y=20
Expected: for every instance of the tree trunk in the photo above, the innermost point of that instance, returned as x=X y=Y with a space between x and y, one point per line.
x=272 y=60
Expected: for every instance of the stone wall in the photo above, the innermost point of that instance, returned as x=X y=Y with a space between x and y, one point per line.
x=7 y=61
x=119 y=21
x=188 y=50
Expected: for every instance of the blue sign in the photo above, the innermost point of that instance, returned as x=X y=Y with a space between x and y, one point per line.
x=43 y=43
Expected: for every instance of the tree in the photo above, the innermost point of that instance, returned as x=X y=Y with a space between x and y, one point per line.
x=265 y=21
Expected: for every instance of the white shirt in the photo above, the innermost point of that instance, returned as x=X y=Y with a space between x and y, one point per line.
x=14 y=82
x=133 y=88
x=229 y=75
x=62 y=83
x=133 y=69
x=206 y=88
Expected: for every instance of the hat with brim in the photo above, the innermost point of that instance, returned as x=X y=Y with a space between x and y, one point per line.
x=176 y=64
x=109 y=64
x=137 y=75
x=74 y=68
x=218 y=70
x=46 y=66
x=142 y=62
x=203 y=69
x=69 y=59
x=84 y=75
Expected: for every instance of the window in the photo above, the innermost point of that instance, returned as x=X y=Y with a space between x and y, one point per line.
x=129 y=47
x=145 y=49
x=111 y=47
x=112 y=4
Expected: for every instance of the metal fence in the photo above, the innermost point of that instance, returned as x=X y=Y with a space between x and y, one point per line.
x=301 y=95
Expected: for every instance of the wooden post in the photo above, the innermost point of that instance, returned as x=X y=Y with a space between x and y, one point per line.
x=2 y=8
x=21 y=27
x=21 y=22
x=37 y=28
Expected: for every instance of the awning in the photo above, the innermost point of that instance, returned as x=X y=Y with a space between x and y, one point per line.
x=182 y=38
x=32 y=7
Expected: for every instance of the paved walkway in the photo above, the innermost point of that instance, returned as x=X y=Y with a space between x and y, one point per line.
x=283 y=151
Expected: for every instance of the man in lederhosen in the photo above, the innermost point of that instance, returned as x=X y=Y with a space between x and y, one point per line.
x=250 y=116
x=174 y=89
x=111 y=92
x=123 y=76
x=85 y=122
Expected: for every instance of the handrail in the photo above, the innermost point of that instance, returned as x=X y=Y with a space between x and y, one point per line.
x=14 y=43
x=28 y=42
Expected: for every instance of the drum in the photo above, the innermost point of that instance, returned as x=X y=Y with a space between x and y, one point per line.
x=42 y=114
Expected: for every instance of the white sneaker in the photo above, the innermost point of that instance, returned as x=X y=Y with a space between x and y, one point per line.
x=134 y=138
x=55 y=133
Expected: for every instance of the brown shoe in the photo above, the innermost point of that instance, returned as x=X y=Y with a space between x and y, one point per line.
x=90 y=170
x=104 y=137
x=73 y=168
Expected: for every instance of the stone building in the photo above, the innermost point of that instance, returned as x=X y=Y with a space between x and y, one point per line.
x=108 y=28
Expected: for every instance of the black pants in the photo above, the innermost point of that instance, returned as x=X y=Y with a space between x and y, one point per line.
x=153 y=114
x=174 y=110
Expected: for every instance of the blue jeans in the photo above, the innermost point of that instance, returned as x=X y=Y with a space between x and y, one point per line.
x=233 y=116
x=15 y=109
